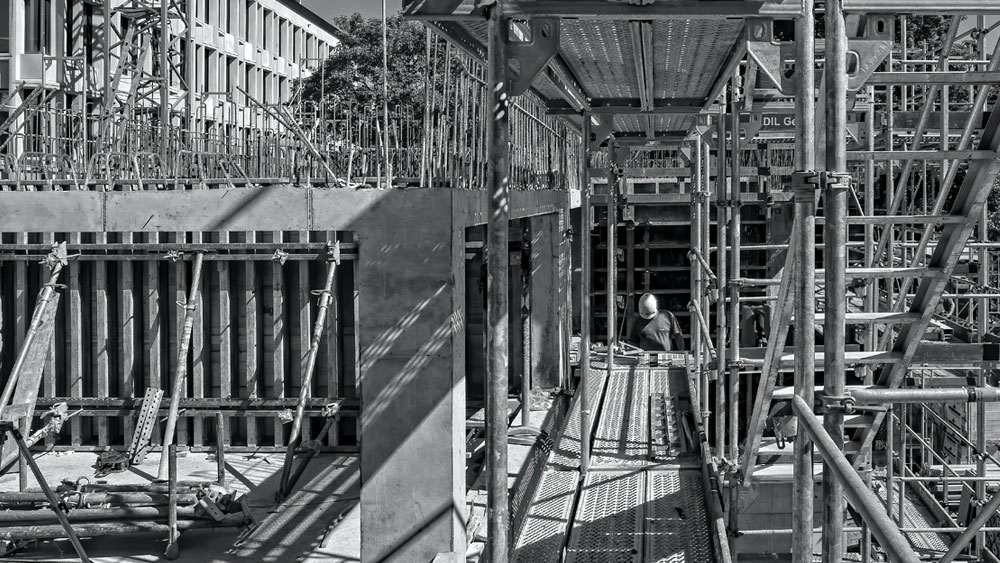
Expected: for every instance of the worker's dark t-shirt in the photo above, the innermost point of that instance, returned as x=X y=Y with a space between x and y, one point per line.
x=661 y=333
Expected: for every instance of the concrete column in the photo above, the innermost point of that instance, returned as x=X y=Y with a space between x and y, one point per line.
x=547 y=301
x=411 y=333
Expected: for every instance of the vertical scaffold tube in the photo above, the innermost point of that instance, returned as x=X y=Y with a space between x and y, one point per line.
x=497 y=286
x=835 y=259
x=612 y=261
x=805 y=285
x=733 y=383
x=721 y=220
x=585 y=303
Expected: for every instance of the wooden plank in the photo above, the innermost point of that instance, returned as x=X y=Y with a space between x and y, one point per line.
x=250 y=375
x=177 y=289
x=26 y=392
x=49 y=373
x=101 y=338
x=75 y=337
x=152 y=338
x=277 y=343
x=127 y=373
x=198 y=356
x=331 y=343
x=223 y=329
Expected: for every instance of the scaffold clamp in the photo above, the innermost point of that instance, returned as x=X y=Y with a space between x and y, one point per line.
x=805 y=183
x=845 y=403
x=835 y=180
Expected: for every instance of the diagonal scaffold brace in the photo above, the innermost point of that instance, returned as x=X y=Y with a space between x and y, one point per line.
x=16 y=387
x=288 y=477
x=180 y=373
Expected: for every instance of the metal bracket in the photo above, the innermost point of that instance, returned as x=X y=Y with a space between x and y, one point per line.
x=870 y=45
x=333 y=252
x=628 y=214
x=57 y=256
x=532 y=44
x=770 y=55
x=869 y=49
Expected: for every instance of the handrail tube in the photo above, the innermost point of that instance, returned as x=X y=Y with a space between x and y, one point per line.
x=702 y=324
x=863 y=500
x=710 y=482
x=704 y=263
x=946 y=395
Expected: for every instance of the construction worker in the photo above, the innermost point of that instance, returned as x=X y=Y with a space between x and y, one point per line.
x=655 y=330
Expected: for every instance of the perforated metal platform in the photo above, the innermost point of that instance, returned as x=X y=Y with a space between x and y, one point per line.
x=676 y=529
x=545 y=527
x=630 y=507
x=915 y=515
x=622 y=436
x=641 y=516
x=566 y=453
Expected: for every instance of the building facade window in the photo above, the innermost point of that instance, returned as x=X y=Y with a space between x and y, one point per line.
x=4 y=26
x=36 y=20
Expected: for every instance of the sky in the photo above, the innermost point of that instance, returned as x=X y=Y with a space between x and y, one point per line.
x=330 y=8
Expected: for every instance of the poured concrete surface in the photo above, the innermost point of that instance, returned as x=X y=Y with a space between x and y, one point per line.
x=318 y=522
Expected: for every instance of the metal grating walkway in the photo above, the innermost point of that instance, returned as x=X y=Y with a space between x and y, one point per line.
x=548 y=518
x=622 y=438
x=915 y=515
x=566 y=453
x=629 y=508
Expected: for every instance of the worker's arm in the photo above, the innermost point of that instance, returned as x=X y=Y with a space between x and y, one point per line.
x=678 y=336
x=633 y=334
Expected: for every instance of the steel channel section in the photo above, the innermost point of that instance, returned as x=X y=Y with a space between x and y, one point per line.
x=864 y=501
x=498 y=137
x=585 y=297
x=835 y=260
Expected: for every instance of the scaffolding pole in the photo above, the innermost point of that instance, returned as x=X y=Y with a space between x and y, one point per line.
x=803 y=485
x=498 y=236
x=585 y=297
x=835 y=260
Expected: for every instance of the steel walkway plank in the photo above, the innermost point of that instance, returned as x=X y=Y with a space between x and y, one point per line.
x=548 y=519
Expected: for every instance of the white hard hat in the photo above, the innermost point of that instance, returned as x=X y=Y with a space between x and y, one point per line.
x=647 y=306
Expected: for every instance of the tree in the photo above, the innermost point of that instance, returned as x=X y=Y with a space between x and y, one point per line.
x=353 y=73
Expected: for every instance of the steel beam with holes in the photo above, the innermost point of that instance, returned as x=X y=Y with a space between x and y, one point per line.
x=969 y=202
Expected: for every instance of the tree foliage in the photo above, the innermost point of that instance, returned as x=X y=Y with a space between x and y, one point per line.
x=353 y=72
